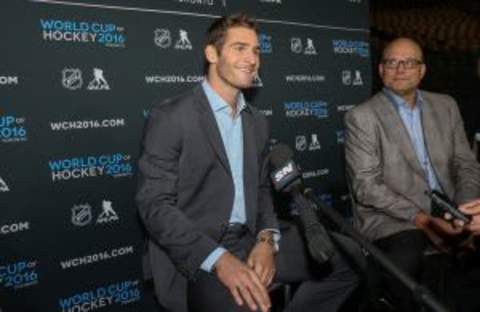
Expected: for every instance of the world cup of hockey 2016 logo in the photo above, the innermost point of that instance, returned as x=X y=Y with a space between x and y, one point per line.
x=72 y=78
x=162 y=38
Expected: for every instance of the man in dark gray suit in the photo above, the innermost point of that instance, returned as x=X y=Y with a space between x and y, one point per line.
x=399 y=144
x=204 y=194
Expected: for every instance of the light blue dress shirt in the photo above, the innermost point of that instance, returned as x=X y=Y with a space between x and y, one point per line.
x=230 y=127
x=412 y=119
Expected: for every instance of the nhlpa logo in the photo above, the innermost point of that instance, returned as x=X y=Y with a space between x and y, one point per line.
x=358 y=79
x=296 y=45
x=183 y=43
x=108 y=214
x=314 y=144
x=257 y=82
x=81 y=214
x=3 y=186
x=162 y=38
x=301 y=142
x=72 y=78
x=99 y=82
x=310 y=48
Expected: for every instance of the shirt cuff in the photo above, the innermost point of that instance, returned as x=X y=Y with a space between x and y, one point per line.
x=212 y=258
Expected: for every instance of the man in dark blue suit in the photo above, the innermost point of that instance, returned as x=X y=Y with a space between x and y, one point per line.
x=204 y=194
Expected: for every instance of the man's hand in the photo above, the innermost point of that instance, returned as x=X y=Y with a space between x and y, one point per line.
x=439 y=225
x=243 y=282
x=471 y=208
x=437 y=229
x=262 y=261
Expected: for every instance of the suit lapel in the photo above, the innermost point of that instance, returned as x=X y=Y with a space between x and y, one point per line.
x=433 y=140
x=393 y=124
x=209 y=125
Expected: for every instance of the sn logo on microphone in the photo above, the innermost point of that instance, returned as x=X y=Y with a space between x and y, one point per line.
x=283 y=172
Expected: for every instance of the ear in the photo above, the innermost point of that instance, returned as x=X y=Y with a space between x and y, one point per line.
x=423 y=70
x=211 y=54
x=380 y=69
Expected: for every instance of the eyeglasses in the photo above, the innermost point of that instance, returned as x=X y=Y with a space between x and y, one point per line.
x=408 y=63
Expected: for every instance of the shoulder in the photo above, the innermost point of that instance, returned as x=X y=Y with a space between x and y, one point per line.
x=259 y=119
x=440 y=101
x=433 y=96
x=176 y=105
x=256 y=113
x=366 y=110
x=171 y=116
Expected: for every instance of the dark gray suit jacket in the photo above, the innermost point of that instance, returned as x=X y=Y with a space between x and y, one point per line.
x=385 y=175
x=186 y=190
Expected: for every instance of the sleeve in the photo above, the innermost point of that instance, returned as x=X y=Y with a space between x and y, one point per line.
x=212 y=258
x=266 y=217
x=466 y=169
x=365 y=165
x=157 y=192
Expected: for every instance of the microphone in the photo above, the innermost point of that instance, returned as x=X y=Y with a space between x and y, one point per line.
x=442 y=204
x=286 y=177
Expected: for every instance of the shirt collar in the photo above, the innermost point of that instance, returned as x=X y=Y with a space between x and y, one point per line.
x=217 y=103
x=399 y=102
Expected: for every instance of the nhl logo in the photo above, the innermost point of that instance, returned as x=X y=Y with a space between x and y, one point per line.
x=296 y=45
x=162 y=38
x=340 y=137
x=300 y=142
x=347 y=77
x=81 y=214
x=72 y=78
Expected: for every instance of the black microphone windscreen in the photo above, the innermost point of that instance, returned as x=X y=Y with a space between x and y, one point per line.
x=279 y=155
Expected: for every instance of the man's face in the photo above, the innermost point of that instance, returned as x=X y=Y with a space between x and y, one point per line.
x=405 y=77
x=237 y=63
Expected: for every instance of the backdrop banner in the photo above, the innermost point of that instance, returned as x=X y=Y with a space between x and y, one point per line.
x=77 y=81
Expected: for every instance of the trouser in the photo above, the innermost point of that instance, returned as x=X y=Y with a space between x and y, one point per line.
x=406 y=249
x=322 y=287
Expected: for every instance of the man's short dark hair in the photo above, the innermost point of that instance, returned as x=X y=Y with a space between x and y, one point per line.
x=217 y=31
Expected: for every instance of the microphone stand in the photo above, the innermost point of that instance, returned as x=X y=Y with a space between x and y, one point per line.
x=421 y=293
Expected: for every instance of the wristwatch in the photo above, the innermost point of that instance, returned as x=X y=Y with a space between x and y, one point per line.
x=269 y=238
